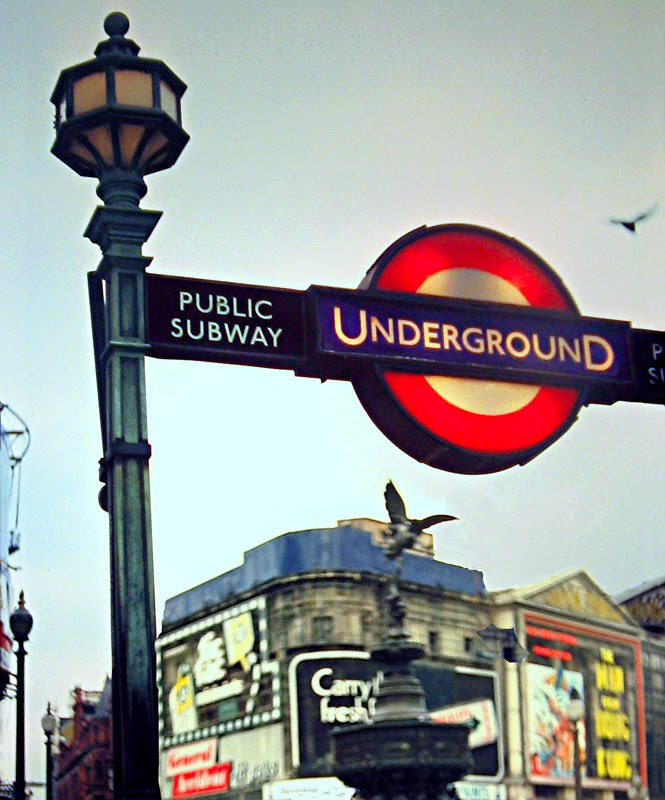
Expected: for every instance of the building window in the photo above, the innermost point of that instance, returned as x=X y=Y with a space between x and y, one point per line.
x=434 y=642
x=296 y=631
x=322 y=629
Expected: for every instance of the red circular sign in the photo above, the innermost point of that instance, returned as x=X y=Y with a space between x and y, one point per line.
x=467 y=425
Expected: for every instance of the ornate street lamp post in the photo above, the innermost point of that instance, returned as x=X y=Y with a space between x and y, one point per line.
x=118 y=119
x=49 y=726
x=575 y=716
x=20 y=623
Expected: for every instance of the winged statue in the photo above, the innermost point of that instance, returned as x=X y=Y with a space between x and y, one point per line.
x=405 y=531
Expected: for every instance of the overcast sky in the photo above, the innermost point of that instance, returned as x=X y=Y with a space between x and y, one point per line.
x=320 y=133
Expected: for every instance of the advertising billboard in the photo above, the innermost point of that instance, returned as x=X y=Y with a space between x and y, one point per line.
x=256 y=756
x=307 y=789
x=332 y=688
x=215 y=676
x=551 y=736
x=605 y=669
x=201 y=782
x=242 y=760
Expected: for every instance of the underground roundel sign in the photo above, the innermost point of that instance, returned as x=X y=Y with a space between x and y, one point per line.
x=460 y=424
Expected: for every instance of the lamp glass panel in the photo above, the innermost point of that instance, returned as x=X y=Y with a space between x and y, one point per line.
x=130 y=136
x=575 y=710
x=83 y=153
x=169 y=100
x=158 y=161
x=49 y=724
x=89 y=92
x=100 y=139
x=62 y=110
x=133 y=88
x=157 y=141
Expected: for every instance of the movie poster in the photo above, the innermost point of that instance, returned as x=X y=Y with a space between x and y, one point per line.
x=551 y=733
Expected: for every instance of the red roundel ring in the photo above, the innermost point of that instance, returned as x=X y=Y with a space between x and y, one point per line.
x=467 y=425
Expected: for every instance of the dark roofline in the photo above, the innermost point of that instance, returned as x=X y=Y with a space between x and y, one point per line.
x=641 y=588
x=343 y=549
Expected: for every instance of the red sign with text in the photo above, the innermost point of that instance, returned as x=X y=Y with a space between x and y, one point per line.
x=210 y=780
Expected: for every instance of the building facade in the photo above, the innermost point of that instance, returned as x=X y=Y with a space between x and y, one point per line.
x=83 y=765
x=646 y=604
x=257 y=666
x=577 y=638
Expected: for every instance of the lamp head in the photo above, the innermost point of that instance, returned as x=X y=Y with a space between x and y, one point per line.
x=492 y=636
x=20 y=621
x=504 y=642
x=512 y=650
x=49 y=722
x=118 y=116
x=575 y=706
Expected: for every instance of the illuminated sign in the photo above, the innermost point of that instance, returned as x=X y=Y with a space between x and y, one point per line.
x=190 y=757
x=604 y=669
x=332 y=688
x=610 y=718
x=463 y=345
x=455 y=422
x=200 y=782
x=480 y=715
x=459 y=334
x=216 y=676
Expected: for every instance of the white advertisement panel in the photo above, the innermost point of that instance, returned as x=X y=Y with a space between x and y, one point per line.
x=256 y=755
x=307 y=789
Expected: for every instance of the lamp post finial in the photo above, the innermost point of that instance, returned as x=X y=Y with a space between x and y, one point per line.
x=116 y=24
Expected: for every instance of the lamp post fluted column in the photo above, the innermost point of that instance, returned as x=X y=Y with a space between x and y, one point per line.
x=576 y=716
x=120 y=233
x=577 y=762
x=117 y=119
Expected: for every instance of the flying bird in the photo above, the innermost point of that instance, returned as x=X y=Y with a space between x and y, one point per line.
x=630 y=224
x=405 y=531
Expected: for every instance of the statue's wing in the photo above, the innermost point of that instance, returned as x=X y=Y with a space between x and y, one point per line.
x=422 y=524
x=646 y=214
x=394 y=504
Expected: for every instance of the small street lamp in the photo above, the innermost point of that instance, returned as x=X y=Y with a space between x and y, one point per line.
x=117 y=119
x=575 y=716
x=20 y=623
x=504 y=642
x=50 y=727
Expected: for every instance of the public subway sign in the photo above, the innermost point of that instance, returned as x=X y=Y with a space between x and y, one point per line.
x=229 y=322
x=463 y=345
